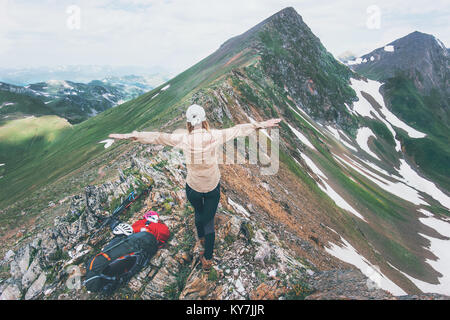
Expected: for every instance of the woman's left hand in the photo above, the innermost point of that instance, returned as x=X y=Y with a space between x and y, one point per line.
x=271 y=123
x=126 y=136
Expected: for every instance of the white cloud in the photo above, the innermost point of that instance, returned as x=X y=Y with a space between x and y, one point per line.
x=178 y=33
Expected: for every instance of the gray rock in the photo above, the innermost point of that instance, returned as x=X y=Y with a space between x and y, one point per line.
x=12 y=292
x=159 y=285
x=8 y=256
x=49 y=246
x=36 y=287
x=31 y=274
x=14 y=270
x=23 y=259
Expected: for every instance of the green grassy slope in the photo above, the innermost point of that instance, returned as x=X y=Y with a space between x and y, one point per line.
x=73 y=146
x=22 y=105
x=432 y=153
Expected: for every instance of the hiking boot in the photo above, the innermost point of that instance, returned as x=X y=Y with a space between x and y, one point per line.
x=200 y=247
x=206 y=264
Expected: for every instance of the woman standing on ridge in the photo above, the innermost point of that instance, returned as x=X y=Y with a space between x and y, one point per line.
x=199 y=145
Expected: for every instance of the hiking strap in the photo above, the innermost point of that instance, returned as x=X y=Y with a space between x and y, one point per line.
x=99 y=276
x=100 y=254
x=140 y=261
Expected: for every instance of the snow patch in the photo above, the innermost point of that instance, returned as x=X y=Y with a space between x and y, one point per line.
x=425 y=212
x=349 y=109
x=389 y=48
x=304 y=117
x=165 y=88
x=340 y=202
x=107 y=97
x=343 y=133
x=5 y=104
x=59 y=83
x=362 y=137
x=301 y=137
x=378 y=169
x=336 y=133
x=313 y=166
x=441 y=249
x=107 y=142
x=365 y=109
x=397 y=188
x=413 y=179
x=442 y=227
x=422 y=285
x=348 y=145
x=356 y=61
x=348 y=254
x=439 y=42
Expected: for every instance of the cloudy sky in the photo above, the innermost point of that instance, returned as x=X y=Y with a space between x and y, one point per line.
x=178 y=33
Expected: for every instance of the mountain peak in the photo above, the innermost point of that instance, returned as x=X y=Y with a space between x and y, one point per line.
x=288 y=14
x=287 y=10
x=415 y=37
x=280 y=22
x=420 y=42
x=418 y=33
x=420 y=56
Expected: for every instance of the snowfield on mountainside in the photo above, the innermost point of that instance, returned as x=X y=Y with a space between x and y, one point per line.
x=301 y=137
x=328 y=190
x=349 y=254
x=362 y=137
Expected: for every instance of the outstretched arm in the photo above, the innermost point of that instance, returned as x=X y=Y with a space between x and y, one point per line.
x=168 y=139
x=244 y=129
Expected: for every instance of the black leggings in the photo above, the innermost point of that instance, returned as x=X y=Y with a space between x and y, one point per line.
x=205 y=206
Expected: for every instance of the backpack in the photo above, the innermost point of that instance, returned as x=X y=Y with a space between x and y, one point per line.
x=159 y=230
x=119 y=261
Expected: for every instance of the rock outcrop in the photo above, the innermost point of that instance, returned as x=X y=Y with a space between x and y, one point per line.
x=251 y=262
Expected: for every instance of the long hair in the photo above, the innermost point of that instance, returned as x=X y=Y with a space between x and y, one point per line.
x=205 y=125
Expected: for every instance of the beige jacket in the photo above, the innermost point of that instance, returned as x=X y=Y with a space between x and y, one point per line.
x=201 y=150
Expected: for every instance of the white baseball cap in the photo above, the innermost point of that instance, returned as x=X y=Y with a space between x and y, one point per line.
x=195 y=114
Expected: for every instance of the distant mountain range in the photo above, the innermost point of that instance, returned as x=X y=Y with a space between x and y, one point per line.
x=81 y=73
x=70 y=100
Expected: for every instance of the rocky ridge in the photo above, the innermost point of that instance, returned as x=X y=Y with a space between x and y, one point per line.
x=251 y=262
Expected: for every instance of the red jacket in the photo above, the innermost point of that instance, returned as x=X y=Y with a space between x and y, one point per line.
x=159 y=230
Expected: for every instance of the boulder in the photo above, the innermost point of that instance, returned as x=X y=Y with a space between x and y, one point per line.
x=36 y=287
x=31 y=274
x=12 y=292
